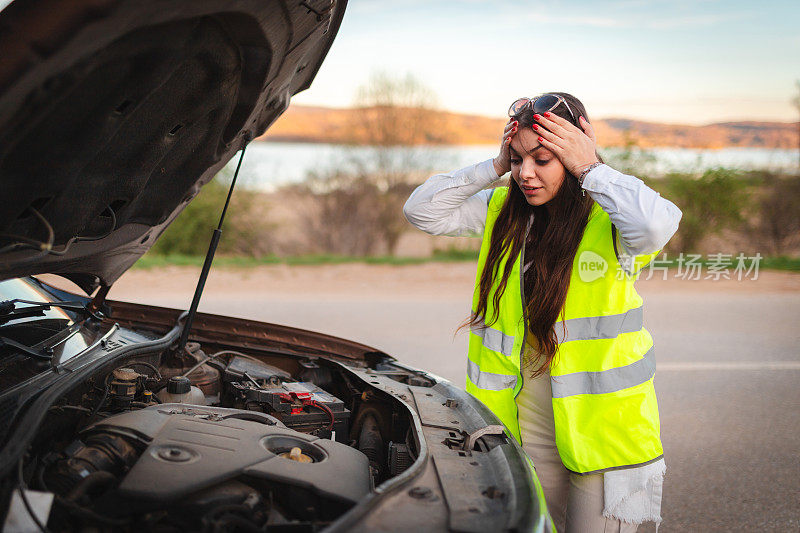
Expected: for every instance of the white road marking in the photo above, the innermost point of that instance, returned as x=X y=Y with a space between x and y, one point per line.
x=728 y=365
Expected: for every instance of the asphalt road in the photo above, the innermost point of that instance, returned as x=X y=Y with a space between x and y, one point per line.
x=728 y=382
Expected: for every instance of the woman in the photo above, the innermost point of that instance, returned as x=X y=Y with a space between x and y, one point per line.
x=557 y=349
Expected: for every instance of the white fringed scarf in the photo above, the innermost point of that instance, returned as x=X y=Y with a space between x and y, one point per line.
x=633 y=495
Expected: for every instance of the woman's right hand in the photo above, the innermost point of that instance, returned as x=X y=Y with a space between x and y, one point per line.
x=502 y=163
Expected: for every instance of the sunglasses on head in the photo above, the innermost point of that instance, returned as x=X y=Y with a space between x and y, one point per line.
x=540 y=104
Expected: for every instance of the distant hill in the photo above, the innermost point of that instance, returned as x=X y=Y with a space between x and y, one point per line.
x=329 y=125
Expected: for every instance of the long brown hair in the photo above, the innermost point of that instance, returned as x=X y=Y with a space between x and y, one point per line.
x=552 y=242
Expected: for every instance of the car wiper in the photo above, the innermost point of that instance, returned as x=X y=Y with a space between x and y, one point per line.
x=9 y=310
x=43 y=355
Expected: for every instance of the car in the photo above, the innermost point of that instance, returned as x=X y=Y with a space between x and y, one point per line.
x=129 y=417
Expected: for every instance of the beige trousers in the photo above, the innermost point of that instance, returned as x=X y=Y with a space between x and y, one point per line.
x=575 y=502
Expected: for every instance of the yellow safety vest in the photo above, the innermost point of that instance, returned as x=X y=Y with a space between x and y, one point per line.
x=604 y=403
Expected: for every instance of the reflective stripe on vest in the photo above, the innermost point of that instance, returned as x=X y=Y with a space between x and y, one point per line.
x=599 y=327
x=494 y=339
x=611 y=380
x=489 y=380
x=603 y=398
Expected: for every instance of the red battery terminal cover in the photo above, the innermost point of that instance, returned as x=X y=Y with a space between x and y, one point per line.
x=306 y=399
x=293 y=399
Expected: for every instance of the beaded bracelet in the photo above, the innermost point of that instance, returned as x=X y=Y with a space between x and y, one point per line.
x=586 y=171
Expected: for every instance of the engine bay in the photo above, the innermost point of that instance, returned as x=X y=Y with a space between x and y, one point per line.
x=219 y=441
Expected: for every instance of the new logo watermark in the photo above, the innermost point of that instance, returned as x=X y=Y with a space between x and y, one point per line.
x=591 y=266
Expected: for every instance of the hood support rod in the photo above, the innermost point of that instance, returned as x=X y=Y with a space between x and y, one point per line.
x=212 y=248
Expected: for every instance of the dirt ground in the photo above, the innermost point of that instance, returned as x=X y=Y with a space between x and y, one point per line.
x=367 y=281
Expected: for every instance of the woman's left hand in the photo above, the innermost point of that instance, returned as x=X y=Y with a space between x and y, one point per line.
x=573 y=147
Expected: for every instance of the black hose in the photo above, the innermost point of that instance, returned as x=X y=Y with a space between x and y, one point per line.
x=152 y=367
x=371 y=444
x=75 y=509
x=99 y=478
x=230 y=513
x=326 y=409
x=241 y=523
x=24 y=497
x=101 y=402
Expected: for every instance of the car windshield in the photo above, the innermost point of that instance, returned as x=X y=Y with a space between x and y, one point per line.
x=53 y=327
x=24 y=289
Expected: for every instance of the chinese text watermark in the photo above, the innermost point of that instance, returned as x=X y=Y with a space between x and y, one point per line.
x=715 y=267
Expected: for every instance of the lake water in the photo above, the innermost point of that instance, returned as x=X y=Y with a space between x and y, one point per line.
x=268 y=165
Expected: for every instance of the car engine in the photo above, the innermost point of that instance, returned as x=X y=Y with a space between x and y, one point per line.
x=227 y=442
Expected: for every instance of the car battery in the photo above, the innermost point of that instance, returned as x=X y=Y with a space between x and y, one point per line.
x=300 y=406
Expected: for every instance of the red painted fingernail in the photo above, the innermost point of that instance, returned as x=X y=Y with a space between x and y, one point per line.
x=535 y=126
x=547 y=114
x=537 y=117
x=515 y=123
x=540 y=139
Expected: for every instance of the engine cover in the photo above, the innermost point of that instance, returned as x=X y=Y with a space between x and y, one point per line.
x=190 y=448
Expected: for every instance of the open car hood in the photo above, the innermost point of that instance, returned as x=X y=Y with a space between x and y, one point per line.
x=114 y=113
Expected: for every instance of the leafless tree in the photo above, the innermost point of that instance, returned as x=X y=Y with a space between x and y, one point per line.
x=361 y=209
x=345 y=214
x=396 y=114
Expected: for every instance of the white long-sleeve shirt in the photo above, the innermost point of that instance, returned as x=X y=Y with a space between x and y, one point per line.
x=456 y=203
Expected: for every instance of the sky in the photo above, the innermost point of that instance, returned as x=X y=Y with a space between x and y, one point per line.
x=673 y=61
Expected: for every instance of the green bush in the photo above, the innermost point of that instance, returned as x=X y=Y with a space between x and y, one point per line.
x=190 y=233
x=244 y=231
x=453 y=254
x=710 y=203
